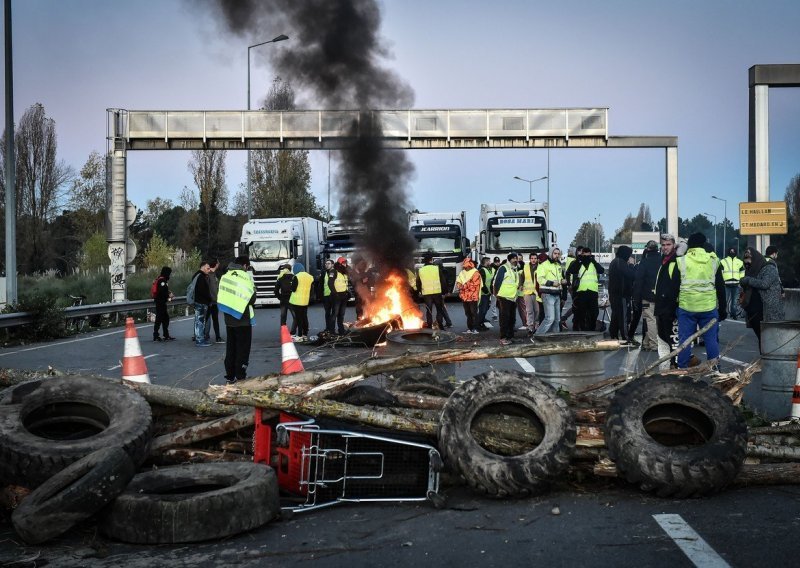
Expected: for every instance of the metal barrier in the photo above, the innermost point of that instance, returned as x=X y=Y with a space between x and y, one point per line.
x=24 y=318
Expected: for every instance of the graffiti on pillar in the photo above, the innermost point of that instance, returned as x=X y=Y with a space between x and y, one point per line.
x=116 y=252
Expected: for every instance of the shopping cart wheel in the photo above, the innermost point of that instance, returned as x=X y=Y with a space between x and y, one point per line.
x=438 y=500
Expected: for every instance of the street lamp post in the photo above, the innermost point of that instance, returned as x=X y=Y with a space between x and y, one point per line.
x=596 y=232
x=249 y=188
x=737 y=245
x=724 y=222
x=715 y=229
x=530 y=186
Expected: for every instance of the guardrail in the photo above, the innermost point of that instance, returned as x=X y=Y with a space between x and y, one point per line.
x=24 y=318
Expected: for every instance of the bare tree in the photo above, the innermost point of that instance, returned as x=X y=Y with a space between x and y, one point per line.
x=208 y=170
x=87 y=196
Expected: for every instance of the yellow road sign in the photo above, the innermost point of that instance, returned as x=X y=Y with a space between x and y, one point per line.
x=763 y=218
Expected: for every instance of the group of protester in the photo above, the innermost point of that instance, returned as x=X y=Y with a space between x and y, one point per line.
x=691 y=289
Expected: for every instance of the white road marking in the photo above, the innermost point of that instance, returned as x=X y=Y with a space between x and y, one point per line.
x=120 y=365
x=68 y=341
x=691 y=544
x=735 y=321
x=527 y=367
x=734 y=361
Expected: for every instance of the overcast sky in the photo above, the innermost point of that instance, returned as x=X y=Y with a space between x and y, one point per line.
x=677 y=68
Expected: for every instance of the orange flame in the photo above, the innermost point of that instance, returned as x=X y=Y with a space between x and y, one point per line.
x=392 y=299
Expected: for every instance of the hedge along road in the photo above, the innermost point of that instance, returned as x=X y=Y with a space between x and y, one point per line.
x=180 y=363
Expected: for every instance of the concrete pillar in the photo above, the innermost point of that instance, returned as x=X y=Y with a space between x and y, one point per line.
x=672 y=190
x=758 y=187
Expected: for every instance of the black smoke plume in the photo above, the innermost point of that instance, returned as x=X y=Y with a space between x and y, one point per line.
x=336 y=56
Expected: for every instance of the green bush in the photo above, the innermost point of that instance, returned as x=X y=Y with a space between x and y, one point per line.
x=94 y=254
x=48 y=318
x=158 y=253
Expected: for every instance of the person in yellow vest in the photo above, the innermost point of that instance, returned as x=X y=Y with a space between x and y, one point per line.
x=551 y=277
x=236 y=297
x=487 y=273
x=325 y=292
x=340 y=284
x=569 y=262
x=732 y=272
x=527 y=283
x=468 y=284
x=298 y=301
x=586 y=271
x=430 y=284
x=701 y=298
x=505 y=286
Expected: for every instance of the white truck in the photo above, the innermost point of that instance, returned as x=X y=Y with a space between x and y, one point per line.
x=444 y=236
x=519 y=227
x=272 y=242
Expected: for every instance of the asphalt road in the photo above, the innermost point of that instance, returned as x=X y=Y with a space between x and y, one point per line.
x=599 y=524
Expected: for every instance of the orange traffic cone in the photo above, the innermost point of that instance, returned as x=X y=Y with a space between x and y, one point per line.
x=290 y=360
x=796 y=392
x=133 y=366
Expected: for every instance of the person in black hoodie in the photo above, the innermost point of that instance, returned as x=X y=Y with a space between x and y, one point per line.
x=163 y=295
x=202 y=300
x=644 y=298
x=584 y=273
x=621 y=274
x=283 y=291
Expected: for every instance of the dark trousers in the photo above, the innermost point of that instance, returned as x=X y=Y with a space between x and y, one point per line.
x=329 y=304
x=432 y=300
x=237 y=352
x=213 y=315
x=585 y=311
x=636 y=316
x=471 y=311
x=447 y=321
x=618 y=328
x=300 y=314
x=162 y=319
x=284 y=311
x=508 y=317
x=339 y=309
x=483 y=308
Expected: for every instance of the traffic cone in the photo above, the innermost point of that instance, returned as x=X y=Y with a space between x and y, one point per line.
x=796 y=392
x=133 y=366
x=290 y=360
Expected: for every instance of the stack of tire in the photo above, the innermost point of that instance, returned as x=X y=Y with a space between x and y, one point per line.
x=77 y=442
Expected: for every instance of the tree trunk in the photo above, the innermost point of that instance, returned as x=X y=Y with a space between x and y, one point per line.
x=190 y=455
x=203 y=431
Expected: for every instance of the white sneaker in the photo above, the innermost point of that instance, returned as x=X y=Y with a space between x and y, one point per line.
x=522 y=328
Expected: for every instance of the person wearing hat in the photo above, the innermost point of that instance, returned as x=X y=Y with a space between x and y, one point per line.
x=505 y=286
x=732 y=273
x=468 y=284
x=339 y=283
x=701 y=298
x=430 y=284
x=644 y=299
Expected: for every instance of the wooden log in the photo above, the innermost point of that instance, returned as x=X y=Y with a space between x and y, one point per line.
x=791 y=428
x=788 y=453
x=410 y=361
x=750 y=474
x=204 y=431
x=192 y=455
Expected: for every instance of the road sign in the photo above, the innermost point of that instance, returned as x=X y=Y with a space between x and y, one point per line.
x=763 y=218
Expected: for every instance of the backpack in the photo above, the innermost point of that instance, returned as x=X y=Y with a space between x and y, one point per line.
x=154 y=287
x=190 y=289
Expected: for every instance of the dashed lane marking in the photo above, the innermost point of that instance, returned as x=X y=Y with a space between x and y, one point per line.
x=526 y=366
x=691 y=544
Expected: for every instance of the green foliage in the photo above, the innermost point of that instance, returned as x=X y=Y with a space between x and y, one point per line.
x=94 y=254
x=48 y=318
x=158 y=253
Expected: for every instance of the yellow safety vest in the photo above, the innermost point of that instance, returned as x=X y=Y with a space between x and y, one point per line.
x=508 y=288
x=412 y=278
x=429 y=280
x=698 y=272
x=529 y=285
x=340 y=282
x=301 y=296
x=732 y=270
x=326 y=290
x=236 y=287
x=588 y=278
x=567 y=261
x=549 y=271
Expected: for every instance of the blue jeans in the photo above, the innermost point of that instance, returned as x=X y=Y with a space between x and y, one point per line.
x=200 y=323
x=688 y=323
x=552 y=314
x=732 y=299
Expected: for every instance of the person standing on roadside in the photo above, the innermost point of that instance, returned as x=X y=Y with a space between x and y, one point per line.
x=283 y=291
x=732 y=273
x=202 y=300
x=586 y=271
x=468 y=284
x=298 y=301
x=430 y=283
x=644 y=298
x=762 y=291
x=327 y=294
x=495 y=303
x=341 y=289
x=212 y=315
x=486 y=292
x=236 y=298
x=162 y=296
x=666 y=290
x=529 y=293
x=551 y=278
x=506 y=284
x=621 y=275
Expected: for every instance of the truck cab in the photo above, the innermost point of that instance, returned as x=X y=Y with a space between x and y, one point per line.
x=518 y=227
x=444 y=236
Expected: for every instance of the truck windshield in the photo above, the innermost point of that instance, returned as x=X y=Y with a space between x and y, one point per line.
x=517 y=240
x=439 y=244
x=270 y=250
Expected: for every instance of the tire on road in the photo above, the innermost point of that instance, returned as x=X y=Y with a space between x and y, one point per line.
x=504 y=476
x=47 y=425
x=73 y=495
x=192 y=503
x=675 y=436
